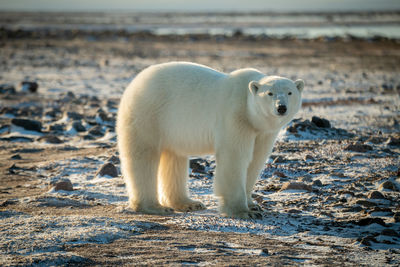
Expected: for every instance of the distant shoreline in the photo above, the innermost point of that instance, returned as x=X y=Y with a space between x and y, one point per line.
x=261 y=25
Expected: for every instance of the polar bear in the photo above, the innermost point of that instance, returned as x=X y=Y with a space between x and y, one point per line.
x=174 y=110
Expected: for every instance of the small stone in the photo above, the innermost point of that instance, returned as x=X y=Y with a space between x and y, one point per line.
x=390 y=232
x=279 y=159
x=308 y=157
x=366 y=241
x=114 y=159
x=16 y=157
x=296 y=186
x=78 y=126
x=376 y=195
x=366 y=203
x=358 y=147
x=317 y=183
x=389 y=185
x=30 y=87
x=369 y=221
x=197 y=166
x=396 y=217
x=108 y=169
x=30 y=125
x=393 y=141
x=65 y=185
x=7 y=89
x=57 y=127
x=96 y=131
x=74 y=115
x=52 y=139
x=280 y=174
x=320 y=122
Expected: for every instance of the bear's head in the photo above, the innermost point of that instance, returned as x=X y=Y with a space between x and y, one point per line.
x=276 y=98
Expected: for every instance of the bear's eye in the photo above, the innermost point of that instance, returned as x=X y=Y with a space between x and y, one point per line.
x=270 y=94
x=290 y=93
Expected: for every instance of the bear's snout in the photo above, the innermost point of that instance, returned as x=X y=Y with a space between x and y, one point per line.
x=282 y=109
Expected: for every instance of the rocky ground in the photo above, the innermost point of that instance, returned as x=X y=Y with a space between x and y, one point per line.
x=330 y=191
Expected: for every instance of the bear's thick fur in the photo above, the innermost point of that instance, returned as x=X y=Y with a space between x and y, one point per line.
x=175 y=110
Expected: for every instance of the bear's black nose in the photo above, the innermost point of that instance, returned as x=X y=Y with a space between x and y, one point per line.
x=282 y=109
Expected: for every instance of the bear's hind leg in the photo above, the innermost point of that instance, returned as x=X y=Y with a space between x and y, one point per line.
x=173 y=183
x=139 y=168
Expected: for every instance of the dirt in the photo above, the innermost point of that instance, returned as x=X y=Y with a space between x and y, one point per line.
x=352 y=83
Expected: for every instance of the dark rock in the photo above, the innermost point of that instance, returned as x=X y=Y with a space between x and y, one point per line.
x=96 y=130
x=16 y=139
x=389 y=185
x=358 y=147
x=280 y=174
x=52 y=112
x=317 y=183
x=64 y=184
x=101 y=116
x=78 y=126
x=296 y=186
x=197 y=166
x=393 y=141
x=366 y=203
x=5 y=203
x=114 y=159
x=390 y=232
x=376 y=195
x=16 y=156
x=108 y=169
x=52 y=139
x=74 y=115
x=31 y=125
x=279 y=159
x=320 y=122
x=7 y=89
x=57 y=127
x=308 y=157
x=366 y=241
x=369 y=220
x=31 y=87
x=396 y=217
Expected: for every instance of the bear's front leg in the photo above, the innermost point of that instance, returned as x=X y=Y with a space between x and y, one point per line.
x=230 y=182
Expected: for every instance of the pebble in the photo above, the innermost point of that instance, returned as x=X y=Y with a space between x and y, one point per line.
x=7 y=89
x=30 y=125
x=16 y=156
x=52 y=139
x=317 y=183
x=78 y=126
x=114 y=159
x=197 y=165
x=108 y=169
x=57 y=127
x=390 y=232
x=358 y=147
x=393 y=141
x=296 y=186
x=320 y=122
x=366 y=241
x=366 y=203
x=279 y=159
x=396 y=217
x=376 y=195
x=369 y=221
x=30 y=87
x=96 y=130
x=308 y=157
x=64 y=184
x=74 y=115
x=387 y=185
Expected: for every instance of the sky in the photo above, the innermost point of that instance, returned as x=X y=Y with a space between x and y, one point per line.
x=198 y=5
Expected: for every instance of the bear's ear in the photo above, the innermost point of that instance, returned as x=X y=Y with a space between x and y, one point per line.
x=299 y=84
x=254 y=87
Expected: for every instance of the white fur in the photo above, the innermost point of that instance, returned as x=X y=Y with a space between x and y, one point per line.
x=175 y=110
